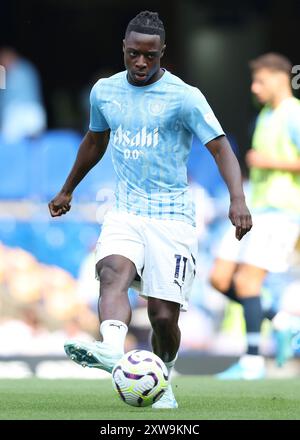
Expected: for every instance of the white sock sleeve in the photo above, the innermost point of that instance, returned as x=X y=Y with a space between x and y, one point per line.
x=171 y=364
x=114 y=333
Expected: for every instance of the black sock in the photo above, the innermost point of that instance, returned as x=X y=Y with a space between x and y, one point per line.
x=253 y=316
x=231 y=293
x=269 y=314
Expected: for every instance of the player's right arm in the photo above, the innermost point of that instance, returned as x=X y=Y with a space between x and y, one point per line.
x=229 y=168
x=91 y=150
x=199 y=118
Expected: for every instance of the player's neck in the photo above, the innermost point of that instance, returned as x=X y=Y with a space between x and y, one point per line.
x=156 y=77
x=280 y=97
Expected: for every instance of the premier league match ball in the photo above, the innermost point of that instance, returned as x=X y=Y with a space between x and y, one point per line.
x=140 y=378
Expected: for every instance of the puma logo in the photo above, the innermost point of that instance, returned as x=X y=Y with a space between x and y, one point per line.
x=116 y=325
x=176 y=282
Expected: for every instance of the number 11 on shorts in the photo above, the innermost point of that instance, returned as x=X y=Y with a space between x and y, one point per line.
x=178 y=265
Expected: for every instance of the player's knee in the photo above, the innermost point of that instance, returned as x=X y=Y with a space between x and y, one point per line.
x=162 y=323
x=219 y=282
x=107 y=275
x=246 y=286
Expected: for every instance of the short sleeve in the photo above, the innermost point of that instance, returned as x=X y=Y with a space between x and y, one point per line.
x=97 y=120
x=199 y=118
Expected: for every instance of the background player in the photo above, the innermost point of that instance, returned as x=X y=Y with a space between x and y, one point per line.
x=149 y=116
x=274 y=162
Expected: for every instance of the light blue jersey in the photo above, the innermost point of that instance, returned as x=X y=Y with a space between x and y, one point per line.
x=151 y=134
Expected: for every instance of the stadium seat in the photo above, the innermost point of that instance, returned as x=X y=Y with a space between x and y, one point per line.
x=51 y=159
x=15 y=234
x=63 y=243
x=14 y=170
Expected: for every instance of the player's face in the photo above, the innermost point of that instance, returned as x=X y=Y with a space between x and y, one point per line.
x=266 y=84
x=142 y=54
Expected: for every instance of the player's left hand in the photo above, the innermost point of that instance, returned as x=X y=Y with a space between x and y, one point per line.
x=258 y=159
x=240 y=217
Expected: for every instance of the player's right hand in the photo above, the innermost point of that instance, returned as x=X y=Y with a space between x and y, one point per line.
x=60 y=205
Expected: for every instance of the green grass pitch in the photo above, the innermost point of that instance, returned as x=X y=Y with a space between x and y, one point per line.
x=199 y=398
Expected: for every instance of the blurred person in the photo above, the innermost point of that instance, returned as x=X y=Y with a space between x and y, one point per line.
x=24 y=276
x=69 y=328
x=281 y=290
x=274 y=161
x=3 y=251
x=204 y=208
x=24 y=332
x=58 y=293
x=87 y=284
x=149 y=115
x=22 y=113
x=197 y=330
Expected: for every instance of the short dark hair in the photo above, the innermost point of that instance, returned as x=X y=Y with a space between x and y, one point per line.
x=147 y=22
x=273 y=61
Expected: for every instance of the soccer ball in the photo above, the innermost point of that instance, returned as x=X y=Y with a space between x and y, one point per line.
x=140 y=378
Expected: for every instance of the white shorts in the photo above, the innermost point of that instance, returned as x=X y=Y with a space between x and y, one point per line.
x=163 y=252
x=269 y=245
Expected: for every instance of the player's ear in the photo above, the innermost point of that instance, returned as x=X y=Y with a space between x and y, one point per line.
x=123 y=46
x=162 y=51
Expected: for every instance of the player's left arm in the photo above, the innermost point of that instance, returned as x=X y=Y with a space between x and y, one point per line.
x=230 y=170
x=258 y=159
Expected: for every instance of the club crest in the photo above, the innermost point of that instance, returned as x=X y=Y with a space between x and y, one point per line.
x=156 y=107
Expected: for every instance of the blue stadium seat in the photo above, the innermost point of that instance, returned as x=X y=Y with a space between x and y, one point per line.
x=63 y=243
x=52 y=157
x=14 y=170
x=16 y=234
x=59 y=242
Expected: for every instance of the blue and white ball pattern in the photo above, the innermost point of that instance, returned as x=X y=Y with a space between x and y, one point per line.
x=140 y=378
